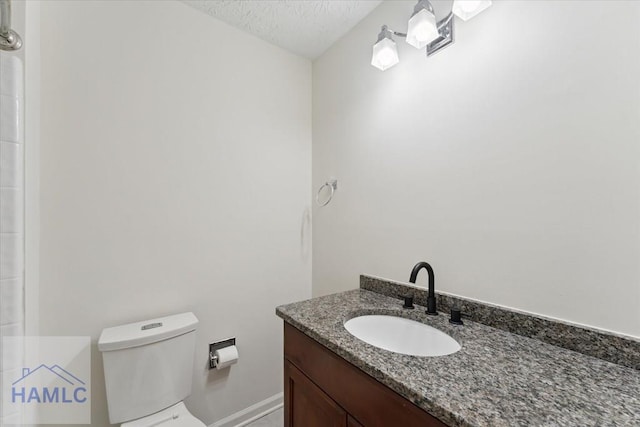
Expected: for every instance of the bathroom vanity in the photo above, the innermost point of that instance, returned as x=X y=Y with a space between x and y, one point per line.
x=323 y=389
x=498 y=378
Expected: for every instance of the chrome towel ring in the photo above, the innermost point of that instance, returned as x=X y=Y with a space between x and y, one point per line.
x=333 y=186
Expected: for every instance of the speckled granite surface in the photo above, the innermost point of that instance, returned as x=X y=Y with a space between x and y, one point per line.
x=496 y=379
x=606 y=346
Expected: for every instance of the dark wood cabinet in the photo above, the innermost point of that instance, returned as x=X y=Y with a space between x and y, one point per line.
x=351 y=422
x=322 y=389
x=308 y=405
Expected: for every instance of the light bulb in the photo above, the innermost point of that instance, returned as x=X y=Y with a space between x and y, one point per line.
x=422 y=32
x=386 y=57
x=423 y=29
x=385 y=54
x=467 y=9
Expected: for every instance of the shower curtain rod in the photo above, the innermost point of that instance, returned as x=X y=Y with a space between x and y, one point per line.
x=9 y=39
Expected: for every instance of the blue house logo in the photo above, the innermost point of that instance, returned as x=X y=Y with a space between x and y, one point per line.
x=48 y=384
x=50 y=380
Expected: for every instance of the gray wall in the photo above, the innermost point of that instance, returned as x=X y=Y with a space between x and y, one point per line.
x=509 y=160
x=175 y=172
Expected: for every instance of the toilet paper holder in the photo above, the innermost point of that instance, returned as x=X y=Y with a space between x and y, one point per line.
x=213 y=359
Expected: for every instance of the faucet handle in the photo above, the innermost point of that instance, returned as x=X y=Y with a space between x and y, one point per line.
x=408 y=301
x=456 y=316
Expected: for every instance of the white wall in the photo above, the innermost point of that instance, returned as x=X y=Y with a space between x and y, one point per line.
x=509 y=160
x=175 y=171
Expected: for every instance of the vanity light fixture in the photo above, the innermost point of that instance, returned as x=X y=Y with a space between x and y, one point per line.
x=423 y=28
x=385 y=51
x=467 y=9
x=424 y=31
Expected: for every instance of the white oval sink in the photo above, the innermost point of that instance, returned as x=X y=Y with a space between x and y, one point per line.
x=401 y=335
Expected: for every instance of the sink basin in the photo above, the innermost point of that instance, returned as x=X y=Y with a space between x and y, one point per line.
x=401 y=335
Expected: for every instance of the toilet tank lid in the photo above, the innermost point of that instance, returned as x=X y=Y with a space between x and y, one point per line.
x=146 y=332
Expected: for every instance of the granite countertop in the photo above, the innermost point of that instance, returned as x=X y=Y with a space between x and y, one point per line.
x=496 y=379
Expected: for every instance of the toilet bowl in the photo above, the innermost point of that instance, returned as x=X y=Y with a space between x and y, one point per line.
x=148 y=367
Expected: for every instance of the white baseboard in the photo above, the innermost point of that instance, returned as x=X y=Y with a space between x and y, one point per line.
x=252 y=413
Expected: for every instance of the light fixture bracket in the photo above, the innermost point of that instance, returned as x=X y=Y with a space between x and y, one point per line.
x=446 y=30
x=385 y=33
x=423 y=4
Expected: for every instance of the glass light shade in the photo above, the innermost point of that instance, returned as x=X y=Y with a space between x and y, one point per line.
x=423 y=29
x=467 y=9
x=385 y=54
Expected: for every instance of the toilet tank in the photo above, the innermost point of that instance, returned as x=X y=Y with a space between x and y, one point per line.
x=148 y=366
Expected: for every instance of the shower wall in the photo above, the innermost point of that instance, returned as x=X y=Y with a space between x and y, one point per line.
x=11 y=216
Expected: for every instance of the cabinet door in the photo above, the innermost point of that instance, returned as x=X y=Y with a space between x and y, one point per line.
x=305 y=405
x=351 y=422
x=368 y=401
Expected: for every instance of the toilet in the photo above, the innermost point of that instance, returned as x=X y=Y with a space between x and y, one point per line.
x=148 y=367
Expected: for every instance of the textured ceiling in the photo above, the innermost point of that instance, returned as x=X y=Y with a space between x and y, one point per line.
x=304 y=27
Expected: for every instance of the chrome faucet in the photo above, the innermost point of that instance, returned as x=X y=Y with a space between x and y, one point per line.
x=431 y=296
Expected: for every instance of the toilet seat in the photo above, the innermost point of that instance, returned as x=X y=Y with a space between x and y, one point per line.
x=174 y=416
